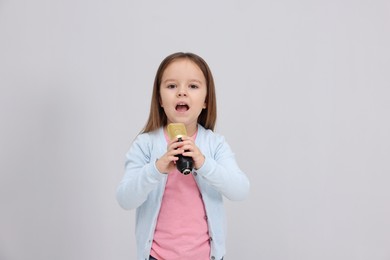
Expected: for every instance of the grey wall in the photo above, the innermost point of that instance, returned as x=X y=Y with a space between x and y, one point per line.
x=303 y=98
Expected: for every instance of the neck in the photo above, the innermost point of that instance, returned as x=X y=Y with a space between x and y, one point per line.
x=191 y=130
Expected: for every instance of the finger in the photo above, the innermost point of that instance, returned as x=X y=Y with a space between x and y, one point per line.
x=187 y=148
x=177 y=152
x=174 y=145
x=173 y=158
x=188 y=153
x=174 y=149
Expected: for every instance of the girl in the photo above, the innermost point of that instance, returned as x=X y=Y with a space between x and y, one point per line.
x=181 y=216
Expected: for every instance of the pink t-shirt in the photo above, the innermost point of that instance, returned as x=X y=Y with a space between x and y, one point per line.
x=181 y=231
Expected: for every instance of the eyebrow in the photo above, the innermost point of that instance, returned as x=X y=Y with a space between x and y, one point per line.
x=167 y=80
x=192 y=80
x=195 y=80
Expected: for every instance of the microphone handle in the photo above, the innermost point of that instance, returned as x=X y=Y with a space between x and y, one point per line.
x=185 y=164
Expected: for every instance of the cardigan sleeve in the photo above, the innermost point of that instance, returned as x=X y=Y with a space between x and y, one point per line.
x=221 y=170
x=141 y=175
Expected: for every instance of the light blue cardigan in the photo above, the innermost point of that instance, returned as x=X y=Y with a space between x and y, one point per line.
x=142 y=186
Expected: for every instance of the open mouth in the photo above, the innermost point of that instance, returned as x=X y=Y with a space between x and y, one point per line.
x=182 y=107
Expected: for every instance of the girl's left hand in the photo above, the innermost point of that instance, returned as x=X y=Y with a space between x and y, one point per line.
x=191 y=150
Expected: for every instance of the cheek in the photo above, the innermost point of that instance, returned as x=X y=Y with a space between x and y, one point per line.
x=162 y=99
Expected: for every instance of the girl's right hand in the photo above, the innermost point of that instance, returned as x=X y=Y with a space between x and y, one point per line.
x=167 y=163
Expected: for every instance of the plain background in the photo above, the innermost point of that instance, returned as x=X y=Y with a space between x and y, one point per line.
x=303 y=92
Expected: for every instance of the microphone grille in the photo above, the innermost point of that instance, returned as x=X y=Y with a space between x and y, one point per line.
x=176 y=130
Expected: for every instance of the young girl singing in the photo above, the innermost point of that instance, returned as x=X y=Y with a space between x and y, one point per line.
x=181 y=216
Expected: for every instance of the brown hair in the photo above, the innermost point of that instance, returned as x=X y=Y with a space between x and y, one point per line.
x=207 y=117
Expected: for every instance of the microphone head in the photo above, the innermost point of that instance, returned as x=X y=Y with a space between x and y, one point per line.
x=176 y=130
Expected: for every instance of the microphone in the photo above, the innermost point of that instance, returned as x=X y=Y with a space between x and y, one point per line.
x=185 y=164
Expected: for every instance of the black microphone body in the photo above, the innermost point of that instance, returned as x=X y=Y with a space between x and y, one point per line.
x=184 y=164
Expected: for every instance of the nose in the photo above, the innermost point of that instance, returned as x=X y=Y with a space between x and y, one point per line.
x=181 y=92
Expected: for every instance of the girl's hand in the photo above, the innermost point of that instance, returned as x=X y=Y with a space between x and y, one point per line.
x=188 y=148
x=167 y=163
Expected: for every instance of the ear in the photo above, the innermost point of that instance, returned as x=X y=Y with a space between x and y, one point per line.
x=204 y=105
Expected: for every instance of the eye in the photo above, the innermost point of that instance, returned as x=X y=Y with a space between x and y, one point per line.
x=171 y=86
x=193 y=86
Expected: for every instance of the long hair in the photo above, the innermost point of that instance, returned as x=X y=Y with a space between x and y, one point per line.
x=207 y=117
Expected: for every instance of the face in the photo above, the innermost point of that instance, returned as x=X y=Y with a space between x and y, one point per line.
x=183 y=93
